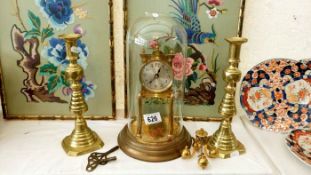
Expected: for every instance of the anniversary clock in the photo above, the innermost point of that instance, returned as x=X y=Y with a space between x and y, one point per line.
x=155 y=132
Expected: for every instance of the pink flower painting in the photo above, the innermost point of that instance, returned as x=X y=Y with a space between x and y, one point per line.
x=215 y=2
x=212 y=13
x=153 y=44
x=202 y=67
x=188 y=66
x=177 y=64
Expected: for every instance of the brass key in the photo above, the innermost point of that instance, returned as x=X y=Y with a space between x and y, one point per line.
x=96 y=159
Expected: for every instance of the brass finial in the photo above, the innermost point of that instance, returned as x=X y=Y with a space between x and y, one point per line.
x=82 y=139
x=201 y=133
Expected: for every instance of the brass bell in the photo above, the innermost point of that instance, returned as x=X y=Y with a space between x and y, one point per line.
x=186 y=154
x=201 y=136
x=203 y=162
x=196 y=145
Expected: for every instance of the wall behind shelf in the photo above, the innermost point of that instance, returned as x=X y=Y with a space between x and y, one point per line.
x=275 y=29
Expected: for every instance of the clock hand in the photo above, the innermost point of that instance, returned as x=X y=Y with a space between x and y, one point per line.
x=155 y=76
x=152 y=80
x=158 y=71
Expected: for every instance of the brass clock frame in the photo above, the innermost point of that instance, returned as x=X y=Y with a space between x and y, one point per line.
x=166 y=93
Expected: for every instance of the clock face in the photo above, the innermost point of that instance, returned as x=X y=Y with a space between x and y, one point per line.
x=156 y=76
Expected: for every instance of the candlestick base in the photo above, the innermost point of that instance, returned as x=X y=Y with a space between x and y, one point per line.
x=82 y=140
x=223 y=143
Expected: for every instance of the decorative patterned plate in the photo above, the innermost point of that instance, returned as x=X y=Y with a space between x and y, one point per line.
x=299 y=143
x=276 y=94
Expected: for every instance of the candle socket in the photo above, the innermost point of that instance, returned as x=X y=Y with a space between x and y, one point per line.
x=82 y=140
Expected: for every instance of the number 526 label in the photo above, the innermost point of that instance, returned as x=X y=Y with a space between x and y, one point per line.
x=153 y=118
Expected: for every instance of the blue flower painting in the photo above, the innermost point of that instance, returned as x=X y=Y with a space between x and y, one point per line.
x=48 y=59
x=58 y=12
x=55 y=53
x=87 y=89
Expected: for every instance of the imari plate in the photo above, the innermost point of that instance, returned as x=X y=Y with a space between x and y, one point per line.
x=276 y=94
x=299 y=143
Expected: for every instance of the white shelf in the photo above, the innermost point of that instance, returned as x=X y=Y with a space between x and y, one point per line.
x=33 y=147
x=274 y=145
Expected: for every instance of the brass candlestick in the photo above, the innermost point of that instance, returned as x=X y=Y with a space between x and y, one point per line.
x=82 y=140
x=223 y=143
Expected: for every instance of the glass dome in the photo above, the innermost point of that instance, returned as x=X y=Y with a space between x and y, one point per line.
x=155 y=73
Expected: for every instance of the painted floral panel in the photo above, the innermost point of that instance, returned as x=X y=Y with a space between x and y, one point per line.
x=34 y=59
x=207 y=23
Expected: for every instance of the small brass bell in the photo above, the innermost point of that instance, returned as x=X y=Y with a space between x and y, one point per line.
x=196 y=145
x=186 y=154
x=203 y=162
x=201 y=136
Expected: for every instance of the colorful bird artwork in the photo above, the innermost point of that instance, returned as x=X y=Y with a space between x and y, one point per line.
x=187 y=15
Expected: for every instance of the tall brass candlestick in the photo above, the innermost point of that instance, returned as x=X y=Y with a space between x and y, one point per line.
x=223 y=143
x=82 y=140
